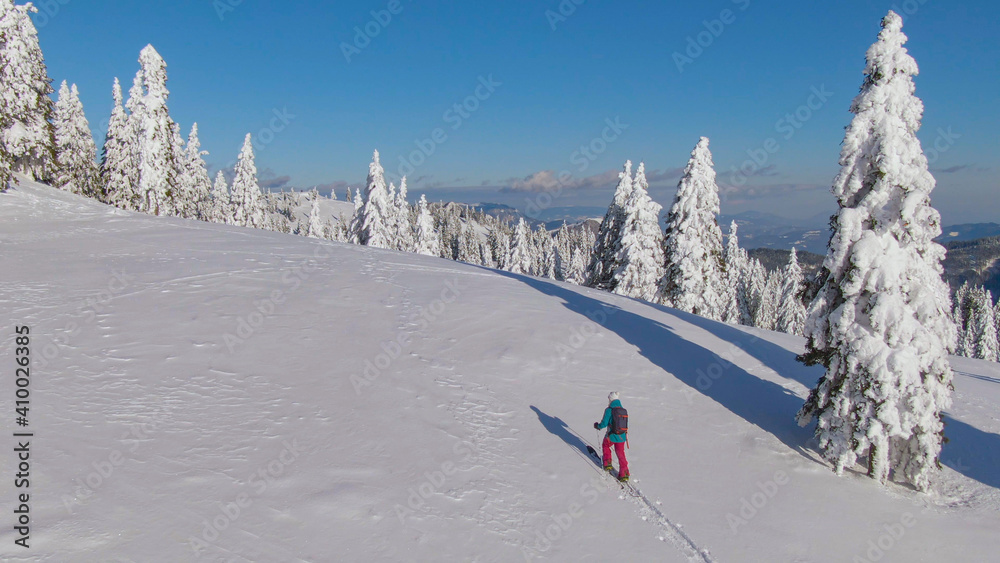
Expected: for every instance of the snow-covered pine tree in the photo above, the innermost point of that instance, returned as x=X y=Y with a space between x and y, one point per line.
x=693 y=280
x=640 y=259
x=766 y=315
x=222 y=206
x=996 y=319
x=376 y=224
x=564 y=251
x=27 y=134
x=499 y=241
x=980 y=338
x=880 y=322
x=357 y=219
x=199 y=184
x=76 y=169
x=757 y=280
x=248 y=203
x=791 y=310
x=521 y=258
x=961 y=308
x=6 y=110
x=118 y=165
x=987 y=345
x=602 y=265
x=544 y=253
x=468 y=246
x=184 y=199
x=450 y=227
x=315 y=227
x=405 y=236
x=486 y=255
x=583 y=246
x=428 y=241
x=738 y=275
x=157 y=159
x=577 y=264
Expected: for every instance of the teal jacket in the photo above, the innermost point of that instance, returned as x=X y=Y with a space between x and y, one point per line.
x=617 y=438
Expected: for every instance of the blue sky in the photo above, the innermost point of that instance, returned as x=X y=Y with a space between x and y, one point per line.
x=538 y=81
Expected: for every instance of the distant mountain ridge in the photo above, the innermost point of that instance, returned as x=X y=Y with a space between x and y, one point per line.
x=968 y=231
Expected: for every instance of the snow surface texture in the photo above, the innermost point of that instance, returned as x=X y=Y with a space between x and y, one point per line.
x=466 y=441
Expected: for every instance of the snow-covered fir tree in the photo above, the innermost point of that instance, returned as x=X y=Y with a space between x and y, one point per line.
x=578 y=264
x=499 y=240
x=791 y=310
x=769 y=301
x=979 y=339
x=118 y=165
x=544 y=259
x=521 y=256
x=880 y=322
x=199 y=184
x=427 y=239
x=640 y=259
x=376 y=221
x=157 y=159
x=248 y=203
x=486 y=257
x=960 y=301
x=221 y=210
x=76 y=169
x=996 y=320
x=603 y=260
x=357 y=218
x=583 y=245
x=315 y=228
x=758 y=300
x=405 y=235
x=738 y=275
x=183 y=197
x=27 y=134
x=468 y=246
x=564 y=251
x=693 y=280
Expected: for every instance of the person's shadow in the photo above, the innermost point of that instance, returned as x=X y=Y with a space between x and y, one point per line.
x=556 y=426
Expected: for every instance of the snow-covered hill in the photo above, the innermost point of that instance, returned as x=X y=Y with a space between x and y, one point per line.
x=263 y=397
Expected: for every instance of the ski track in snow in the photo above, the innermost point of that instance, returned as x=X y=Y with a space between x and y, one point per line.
x=647 y=510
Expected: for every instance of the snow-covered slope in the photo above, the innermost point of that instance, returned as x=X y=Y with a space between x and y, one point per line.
x=283 y=399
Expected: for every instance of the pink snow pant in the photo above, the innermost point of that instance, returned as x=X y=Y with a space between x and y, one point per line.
x=620 y=452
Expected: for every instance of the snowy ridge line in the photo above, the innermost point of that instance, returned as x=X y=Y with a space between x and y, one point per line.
x=648 y=510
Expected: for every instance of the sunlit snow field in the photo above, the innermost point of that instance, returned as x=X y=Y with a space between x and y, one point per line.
x=205 y=392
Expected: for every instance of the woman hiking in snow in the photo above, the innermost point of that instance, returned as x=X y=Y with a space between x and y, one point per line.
x=616 y=421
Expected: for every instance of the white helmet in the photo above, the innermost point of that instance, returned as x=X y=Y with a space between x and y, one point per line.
x=613 y=396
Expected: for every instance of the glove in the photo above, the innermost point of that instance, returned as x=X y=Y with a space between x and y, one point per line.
x=597 y=426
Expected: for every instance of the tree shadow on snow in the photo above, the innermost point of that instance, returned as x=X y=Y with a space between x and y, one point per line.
x=771 y=355
x=767 y=405
x=972 y=452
